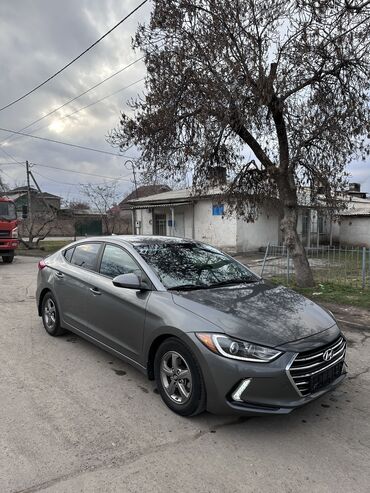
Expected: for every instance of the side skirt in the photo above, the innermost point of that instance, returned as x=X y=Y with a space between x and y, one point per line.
x=107 y=348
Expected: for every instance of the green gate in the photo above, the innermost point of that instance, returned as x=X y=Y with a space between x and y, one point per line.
x=89 y=227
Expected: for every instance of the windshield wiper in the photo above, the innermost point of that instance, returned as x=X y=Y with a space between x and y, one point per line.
x=186 y=287
x=229 y=282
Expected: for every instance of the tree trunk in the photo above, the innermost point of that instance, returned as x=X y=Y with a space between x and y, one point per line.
x=303 y=273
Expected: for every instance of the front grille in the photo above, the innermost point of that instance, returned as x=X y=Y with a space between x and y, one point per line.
x=4 y=233
x=311 y=363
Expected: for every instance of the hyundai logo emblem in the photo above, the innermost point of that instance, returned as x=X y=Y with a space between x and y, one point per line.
x=327 y=356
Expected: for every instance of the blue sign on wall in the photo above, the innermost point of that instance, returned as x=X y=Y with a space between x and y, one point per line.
x=218 y=210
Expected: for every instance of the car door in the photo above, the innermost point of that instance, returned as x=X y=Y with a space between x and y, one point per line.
x=116 y=316
x=73 y=280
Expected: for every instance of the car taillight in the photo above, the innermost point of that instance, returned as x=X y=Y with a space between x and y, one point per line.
x=41 y=264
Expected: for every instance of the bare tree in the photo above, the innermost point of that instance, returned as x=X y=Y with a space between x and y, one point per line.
x=277 y=91
x=77 y=205
x=38 y=227
x=3 y=186
x=103 y=198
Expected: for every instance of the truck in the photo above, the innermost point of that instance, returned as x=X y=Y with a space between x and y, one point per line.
x=8 y=230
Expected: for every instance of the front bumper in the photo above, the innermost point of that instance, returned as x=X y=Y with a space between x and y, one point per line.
x=7 y=246
x=270 y=389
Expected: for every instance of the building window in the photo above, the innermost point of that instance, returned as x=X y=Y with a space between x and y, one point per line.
x=305 y=222
x=218 y=210
x=320 y=224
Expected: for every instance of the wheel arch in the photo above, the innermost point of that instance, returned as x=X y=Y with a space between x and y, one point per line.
x=41 y=298
x=152 y=351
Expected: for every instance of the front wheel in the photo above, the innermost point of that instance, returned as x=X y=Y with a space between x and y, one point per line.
x=179 y=378
x=8 y=259
x=50 y=316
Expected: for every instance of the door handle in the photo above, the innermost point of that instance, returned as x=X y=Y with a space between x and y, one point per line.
x=59 y=275
x=95 y=291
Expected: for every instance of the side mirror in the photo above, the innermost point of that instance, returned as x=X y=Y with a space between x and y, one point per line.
x=130 y=281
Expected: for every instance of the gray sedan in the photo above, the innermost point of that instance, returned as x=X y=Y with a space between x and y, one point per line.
x=210 y=332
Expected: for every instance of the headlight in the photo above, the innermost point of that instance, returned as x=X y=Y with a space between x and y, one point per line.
x=15 y=233
x=237 y=349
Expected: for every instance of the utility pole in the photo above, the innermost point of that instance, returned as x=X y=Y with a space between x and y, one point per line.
x=129 y=161
x=29 y=192
x=133 y=213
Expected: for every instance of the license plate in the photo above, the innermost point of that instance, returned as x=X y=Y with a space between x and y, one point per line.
x=326 y=377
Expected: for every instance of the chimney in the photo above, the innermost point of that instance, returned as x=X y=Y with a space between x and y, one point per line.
x=354 y=190
x=354 y=187
x=216 y=175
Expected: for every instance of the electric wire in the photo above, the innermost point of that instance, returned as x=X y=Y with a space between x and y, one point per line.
x=81 y=172
x=90 y=104
x=66 y=144
x=74 y=59
x=74 y=99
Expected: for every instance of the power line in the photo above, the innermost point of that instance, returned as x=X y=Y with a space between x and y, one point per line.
x=6 y=174
x=75 y=59
x=56 y=181
x=80 y=172
x=91 y=104
x=77 y=97
x=64 y=143
x=11 y=157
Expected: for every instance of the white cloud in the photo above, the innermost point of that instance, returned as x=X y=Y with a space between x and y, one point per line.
x=36 y=39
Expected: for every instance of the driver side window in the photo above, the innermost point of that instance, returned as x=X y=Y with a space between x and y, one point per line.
x=116 y=261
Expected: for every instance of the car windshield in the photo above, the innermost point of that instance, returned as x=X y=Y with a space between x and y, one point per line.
x=193 y=266
x=7 y=211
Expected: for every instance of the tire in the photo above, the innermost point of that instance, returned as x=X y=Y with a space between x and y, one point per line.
x=185 y=396
x=50 y=316
x=8 y=260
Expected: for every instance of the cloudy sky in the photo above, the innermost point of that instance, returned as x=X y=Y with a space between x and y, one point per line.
x=36 y=39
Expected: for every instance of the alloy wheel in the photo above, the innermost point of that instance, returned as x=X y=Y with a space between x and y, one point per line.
x=50 y=313
x=176 y=377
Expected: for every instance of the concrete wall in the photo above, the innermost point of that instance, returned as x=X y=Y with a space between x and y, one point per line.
x=219 y=231
x=336 y=231
x=265 y=229
x=355 y=231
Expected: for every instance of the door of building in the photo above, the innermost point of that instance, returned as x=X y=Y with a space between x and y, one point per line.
x=159 y=227
x=179 y=229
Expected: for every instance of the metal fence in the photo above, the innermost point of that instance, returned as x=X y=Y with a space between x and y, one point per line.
x=342 y=265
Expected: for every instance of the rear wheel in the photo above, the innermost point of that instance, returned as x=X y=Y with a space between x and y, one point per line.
x=179 y=379
x=50 y=316
x=8 y=259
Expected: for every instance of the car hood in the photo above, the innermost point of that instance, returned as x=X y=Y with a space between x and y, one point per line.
x=259 y=312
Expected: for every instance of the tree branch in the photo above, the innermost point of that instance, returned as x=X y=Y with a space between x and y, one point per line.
x=248 y=138
x=317 y=77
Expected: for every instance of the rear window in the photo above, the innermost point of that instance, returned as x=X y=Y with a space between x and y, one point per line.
x=86 y=255
x=68 y=254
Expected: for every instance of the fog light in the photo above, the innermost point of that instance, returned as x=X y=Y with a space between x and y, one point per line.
x=236 y=395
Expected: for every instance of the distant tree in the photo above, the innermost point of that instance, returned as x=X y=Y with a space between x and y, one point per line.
x=277 y=91
x=3 y=186
x=104 y=198
x=78 y=205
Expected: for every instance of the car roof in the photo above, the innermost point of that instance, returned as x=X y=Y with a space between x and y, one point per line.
x=141 y=239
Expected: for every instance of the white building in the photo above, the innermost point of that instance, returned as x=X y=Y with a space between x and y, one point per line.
x=205 y=218
x=354 y=223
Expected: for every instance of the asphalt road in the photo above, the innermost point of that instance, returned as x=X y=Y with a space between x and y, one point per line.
x=76 y=419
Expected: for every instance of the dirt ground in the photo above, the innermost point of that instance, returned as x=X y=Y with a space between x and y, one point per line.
x=76 y=419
